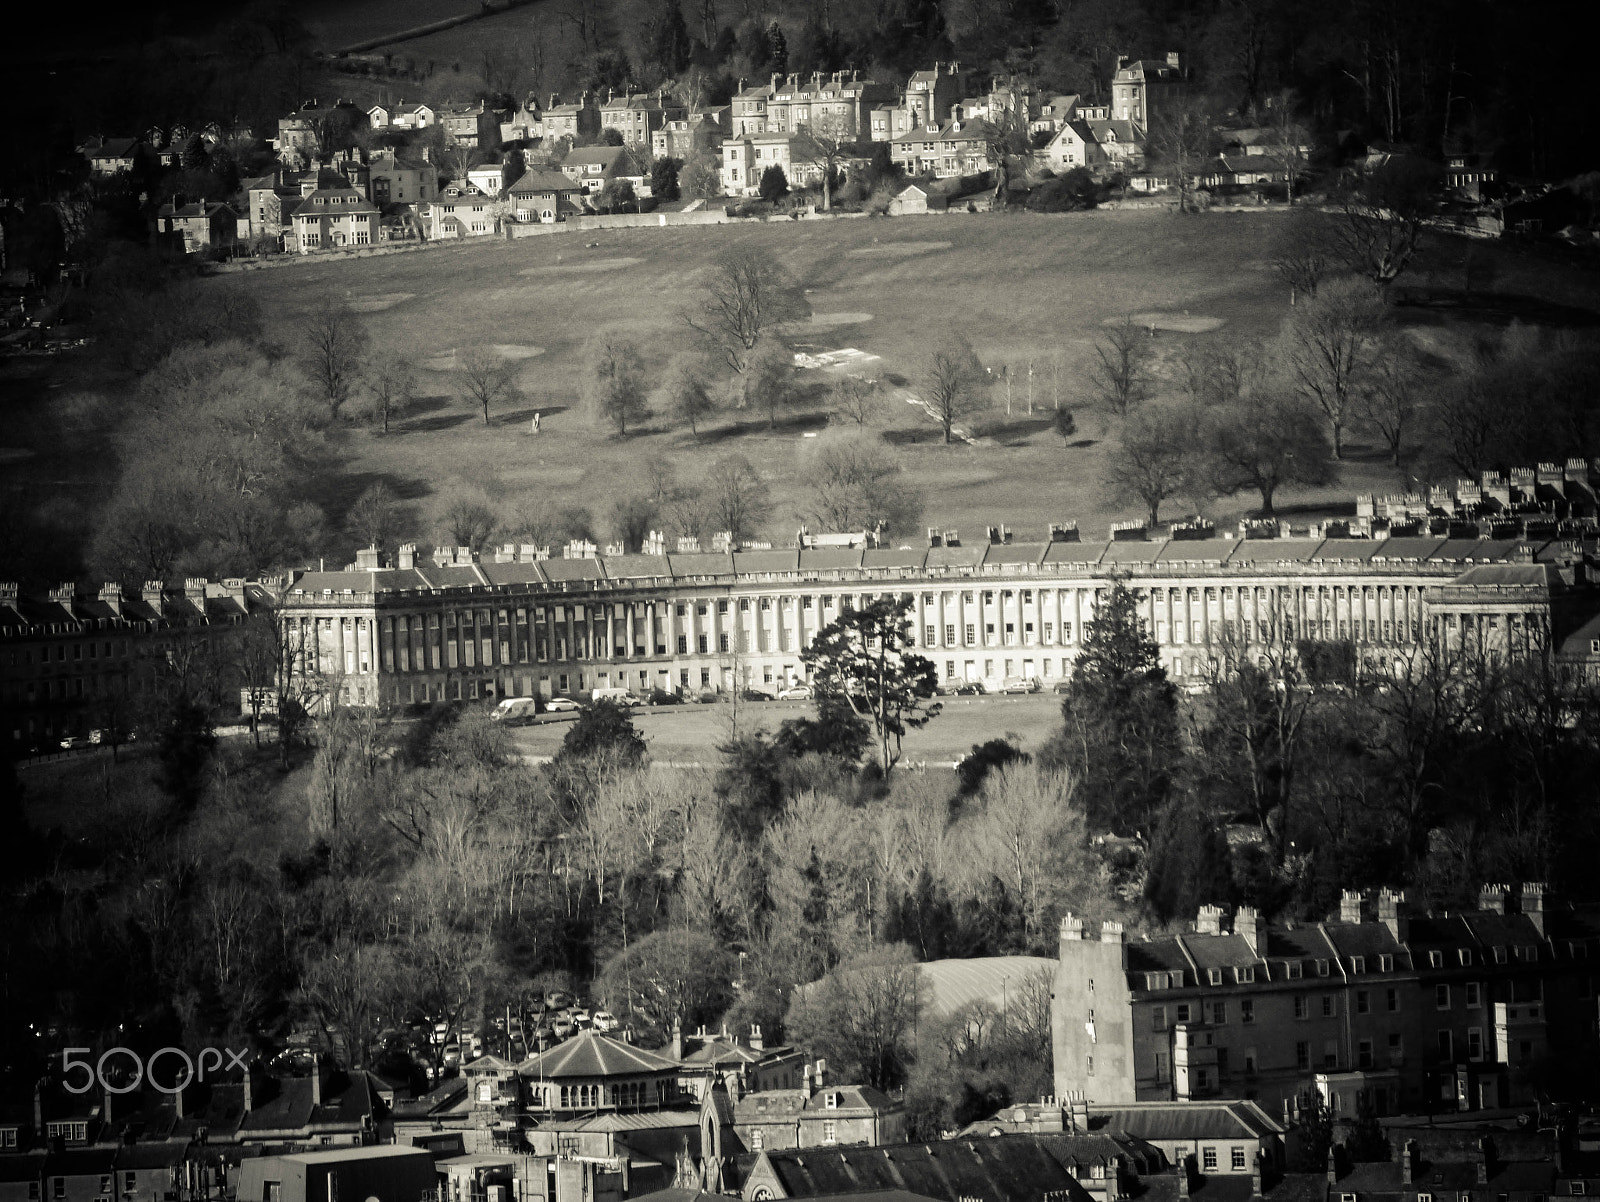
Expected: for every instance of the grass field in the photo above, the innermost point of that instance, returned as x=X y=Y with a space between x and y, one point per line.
x=1020 y=287
x=690 y=733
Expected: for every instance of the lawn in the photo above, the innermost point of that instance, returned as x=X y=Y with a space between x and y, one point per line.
x=689 y=733
x=1020 y=287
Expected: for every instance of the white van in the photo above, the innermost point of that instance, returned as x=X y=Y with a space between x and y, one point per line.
x=514 y=711
x=620 y=696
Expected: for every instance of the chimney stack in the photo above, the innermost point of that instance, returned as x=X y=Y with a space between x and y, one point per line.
x=1078 y=1111
x=822 y=1072
x=1209 y=921
x=1407 y=1153
x=249 y=1103
x=316 y=1080
x=1333 y=1167
x=757 y=1043
x=406 y=557
x=1350 y=906
x=1255 y=1177
x=1492 y=898
x=677 y=1039
x=1111 y=932
x=805 y=1078
x=1246 y=925
x=1391 y=912
x=1535 y=898
x=111 y=597
x=1071 y=928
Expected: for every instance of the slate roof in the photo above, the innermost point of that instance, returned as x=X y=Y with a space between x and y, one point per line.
x=600 y=156
x=591 y=1054
x=613 y=1121
x=538 y=179
x=1160 y=1122
x=1004 y=1168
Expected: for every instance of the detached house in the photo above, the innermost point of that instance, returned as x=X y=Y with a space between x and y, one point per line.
x=401 y=116
x=571 y=121
x=109 y=156
x=1101 y=146
x=954 y=148
x=543 y=196
x=475 y=126
x=333 y=217
x=462 y=211
x=745 y=160
x=593 y=166
x=397 y=180
x=1141 y=90
x=697 y=133
x=205 y=225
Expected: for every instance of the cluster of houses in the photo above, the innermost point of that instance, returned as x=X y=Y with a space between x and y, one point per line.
x=941 y=123
x=598 y=1119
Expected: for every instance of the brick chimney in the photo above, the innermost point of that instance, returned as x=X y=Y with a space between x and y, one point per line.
x=151 y=593
x=1078 y=1111
x=1209 y=921
x=406 y=557
x=1111 y=932
x=1392 y=912
x=369 y=559
x=1492 y=898
x=805 y=1078
x=249 y=1101
x=1071 y=928
x=1333 y=1167
x=111 y=597
x=757 y=1043
x=1407 y=1153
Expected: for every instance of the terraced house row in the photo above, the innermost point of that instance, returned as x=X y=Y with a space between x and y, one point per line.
x=519 y=622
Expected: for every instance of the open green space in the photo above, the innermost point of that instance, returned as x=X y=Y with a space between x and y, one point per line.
x=1022 y=288
x=691 y=733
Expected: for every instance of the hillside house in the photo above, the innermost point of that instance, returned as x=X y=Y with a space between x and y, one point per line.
x=110 y=156
x=1141 y=90
x=462 y=211
x=592 y=167
x=817 y=1115
x=333 y=217
x=401 y=115
x=575 y=122
x=1101 y=146
x=203 y=225
x=699 y=132
x=1054 y=112
x=475 y=126
x=750 y=107
x=841 y=102
x=398 y=179
x=492 y=179
x=543 y=196
x=637 y=116
x=954 y=148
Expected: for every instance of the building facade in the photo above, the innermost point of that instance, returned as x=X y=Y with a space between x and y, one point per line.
x=1377 y=1006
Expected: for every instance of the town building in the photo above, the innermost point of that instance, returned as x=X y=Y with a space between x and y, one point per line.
x=700 y=132
x=1141 y=90
x=593 y=167
x=817 y=1115
x=314 y=129
x=401 y=115
x=72 y=661
x=636 y=116
x=576 y=122
x=111 y=156
x=543 y=196
x=836 y=105
x=463 y=210
x=475 y=126
x=400 y=179
x=1382 y=1008
x=592 y=1073
x=747 y=1065
x=390 y=1172
x=334 y=216
x=1101 y=146
x=203 y=226
x=954 y=148
x=745 y=160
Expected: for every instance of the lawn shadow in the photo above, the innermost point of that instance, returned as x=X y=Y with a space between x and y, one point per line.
x=756 y=423
x=1425 y=304
x=914 y=436
x=524 y=416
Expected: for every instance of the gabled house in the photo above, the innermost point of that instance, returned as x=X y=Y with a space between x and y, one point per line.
x=332 y=217
x=1101 y=146
x=592 y=167
x=954 y=148
x=841 y=102
x=1141 y=90
x=1054 y=112
x=817 y=1115
x=699 y=132
x=328 y=1107
x=397 y=179
x=574 y=122
x=22 y=1176
x=462 y=211
x=110 y=156
x=747 y=1065
x=203 y=225
x=637 y=116
x=930 y=95
x=475 y=125
x=1244 y=170
x=543 y=196
x=491 y=179
x=750 y=107
x=401 y=115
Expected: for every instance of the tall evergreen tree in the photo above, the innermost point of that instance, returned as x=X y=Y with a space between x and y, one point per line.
x=1121 y=732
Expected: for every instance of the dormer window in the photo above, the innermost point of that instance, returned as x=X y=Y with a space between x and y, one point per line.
x=831 y=1101
x=1322 y=968
x=1292 y=969
x=1214 y=976
x=1464 y=955
x=1358 y=964
x=1499 y=955
x=1436 y=958
x=1245 y=974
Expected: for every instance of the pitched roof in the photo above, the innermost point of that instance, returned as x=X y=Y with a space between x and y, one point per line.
x=591 y=1054
x=538 y=179
x=603 y=156
x=350 y=201
x=1162 y=1121
x=1004 y=1168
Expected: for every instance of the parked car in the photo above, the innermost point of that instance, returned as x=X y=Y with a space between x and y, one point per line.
x=625 y=697
x=795 y=692
x=966 y=688
x=708 y=697
x=561 y=705
x=557 y=999
x=1063 y=686
x=75 y=743
x=1020 y=684
x=663 y=697
x=604 y=1020
x=756 y=695
x=580 y=1017
x=452 y=1053
x=563 y=1026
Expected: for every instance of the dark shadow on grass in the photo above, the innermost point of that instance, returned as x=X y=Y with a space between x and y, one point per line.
x=444 y=421
x=916 y=436
x=1425 y=305
x=525 y=416
x=756 y=423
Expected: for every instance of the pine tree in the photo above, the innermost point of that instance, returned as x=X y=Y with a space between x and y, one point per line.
x=777 y=47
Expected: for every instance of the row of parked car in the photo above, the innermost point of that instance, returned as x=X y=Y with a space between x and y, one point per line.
x=516 y=711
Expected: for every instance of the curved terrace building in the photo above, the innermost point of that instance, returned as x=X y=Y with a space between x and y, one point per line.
x=517 y=622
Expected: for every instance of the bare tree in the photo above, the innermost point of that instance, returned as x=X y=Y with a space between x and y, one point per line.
x=1266 y=441
x=855 y=399
x=335 y=349
x=736 y=497
x=1155 y=457
x=1287 y=138
x=1391 y=399
x=615 y=382
x=391 y=387
x=486 y=378
x=632 y=519
x=952 y=380
x=1183 y=136
x=374 y=517
x=683 y=391
x=1328 y=345
x=1119 y=375
x=1381 y=214
x=747 y=293
x=856 y=484
x=468 y=518
x=822 y=143
x=769 y=379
